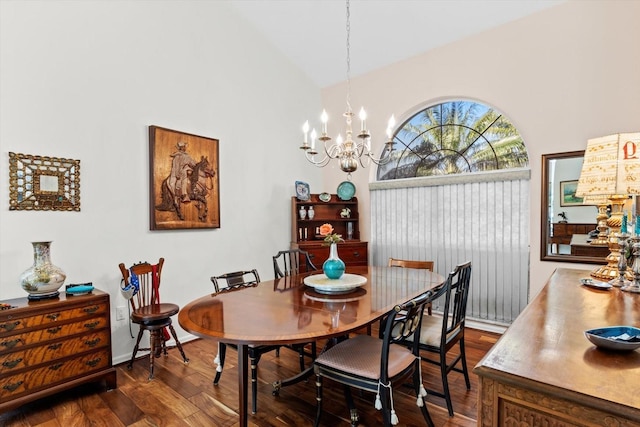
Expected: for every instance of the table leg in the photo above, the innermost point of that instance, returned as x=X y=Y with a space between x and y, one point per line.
x=243 y=365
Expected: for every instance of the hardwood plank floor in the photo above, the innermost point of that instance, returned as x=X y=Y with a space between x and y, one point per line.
x=183 y=395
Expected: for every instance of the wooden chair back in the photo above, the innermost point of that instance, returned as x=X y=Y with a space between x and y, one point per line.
x=148 y=277
x=426 y=265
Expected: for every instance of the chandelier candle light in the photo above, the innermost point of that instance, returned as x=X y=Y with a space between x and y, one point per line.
x=348 y=151
x=611 y=168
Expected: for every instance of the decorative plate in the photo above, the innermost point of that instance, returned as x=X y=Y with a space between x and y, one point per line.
x=324 y=197
x=302 y=191
x=587 y=281
x=353 y=295
x=625 y=338
x=322 y=284
x=346 y=190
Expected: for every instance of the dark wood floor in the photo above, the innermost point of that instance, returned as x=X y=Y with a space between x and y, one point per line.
x=183 y=395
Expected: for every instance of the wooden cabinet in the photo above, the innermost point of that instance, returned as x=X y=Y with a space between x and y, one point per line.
x=305 y=232
x=544 y=371
x=51 y=345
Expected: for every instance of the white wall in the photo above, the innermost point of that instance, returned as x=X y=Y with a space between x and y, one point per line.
x=84 y=80
x=562 y=76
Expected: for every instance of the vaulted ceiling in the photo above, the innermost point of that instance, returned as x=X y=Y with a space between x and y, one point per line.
x=312 y=33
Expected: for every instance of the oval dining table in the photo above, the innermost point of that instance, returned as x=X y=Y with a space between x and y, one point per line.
x=286 y=311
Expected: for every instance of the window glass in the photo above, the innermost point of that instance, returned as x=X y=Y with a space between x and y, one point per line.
x=453 y=138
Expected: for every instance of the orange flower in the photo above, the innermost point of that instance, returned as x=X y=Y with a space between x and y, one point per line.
x=326 y=229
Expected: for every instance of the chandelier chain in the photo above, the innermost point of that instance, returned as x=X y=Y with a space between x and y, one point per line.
x=348 y=27
x=349 y=152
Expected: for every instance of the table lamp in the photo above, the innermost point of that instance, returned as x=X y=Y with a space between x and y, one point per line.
x=611 y=168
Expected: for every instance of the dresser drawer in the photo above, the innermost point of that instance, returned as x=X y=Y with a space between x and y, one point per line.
x=353 y=254
x=13 y=325
x=52 y=332
x=13 y=386
x=52 y=351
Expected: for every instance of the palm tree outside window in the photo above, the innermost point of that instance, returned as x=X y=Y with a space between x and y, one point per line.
x=454 y=137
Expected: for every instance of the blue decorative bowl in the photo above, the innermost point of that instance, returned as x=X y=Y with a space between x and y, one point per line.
x=624 y=338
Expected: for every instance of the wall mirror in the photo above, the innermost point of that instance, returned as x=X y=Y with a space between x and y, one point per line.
x=43 y=183
x=565 y=221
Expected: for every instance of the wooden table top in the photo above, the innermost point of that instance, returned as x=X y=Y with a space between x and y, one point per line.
x=269 y=313
x=546 y=346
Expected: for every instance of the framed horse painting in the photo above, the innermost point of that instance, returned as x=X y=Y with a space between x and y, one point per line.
x=184 y=180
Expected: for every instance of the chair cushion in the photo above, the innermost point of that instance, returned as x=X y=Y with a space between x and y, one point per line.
x=361 y=356
x=432 y=329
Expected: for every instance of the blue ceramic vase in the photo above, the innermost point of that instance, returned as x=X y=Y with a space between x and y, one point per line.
x=333 y=267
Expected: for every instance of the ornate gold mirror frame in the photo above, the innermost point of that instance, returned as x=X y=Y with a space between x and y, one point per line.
x=43 y=183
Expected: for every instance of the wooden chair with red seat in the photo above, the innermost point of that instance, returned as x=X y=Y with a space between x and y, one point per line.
x=405 y=263
x=148 y=312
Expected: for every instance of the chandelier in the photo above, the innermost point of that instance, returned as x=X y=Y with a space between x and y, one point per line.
x=347 y=151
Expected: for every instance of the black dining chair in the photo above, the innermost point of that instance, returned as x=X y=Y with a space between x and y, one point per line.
x=378 y=364
x=291 y=262
x=236 y=281
x=440 y=334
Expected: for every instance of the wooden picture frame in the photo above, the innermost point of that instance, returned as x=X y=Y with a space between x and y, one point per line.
x=568 y=194
x=184 y=181
x=42 y=183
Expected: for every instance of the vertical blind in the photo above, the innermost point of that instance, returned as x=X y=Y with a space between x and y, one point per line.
x=486 y=222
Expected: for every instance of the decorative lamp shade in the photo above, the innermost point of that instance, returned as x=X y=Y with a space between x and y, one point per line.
x=611 y=166
x=595 y=200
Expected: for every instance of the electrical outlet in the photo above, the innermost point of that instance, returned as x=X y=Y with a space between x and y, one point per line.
x=120 y=313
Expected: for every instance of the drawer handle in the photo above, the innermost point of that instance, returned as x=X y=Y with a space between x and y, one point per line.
x=91 y=310
x=94 y=362
x=54 y=330
x=92 y=343
x=12 y=387
x=56 y=366
x=55 y=346
x=10 y=326
x=92 y=325
x=53 y=316
x=11 y=344
x=356 y=254
x=11 y=363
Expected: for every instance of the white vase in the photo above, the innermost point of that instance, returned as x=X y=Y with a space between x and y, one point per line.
x=42 y=279
x=302 y=212
x=311 y=213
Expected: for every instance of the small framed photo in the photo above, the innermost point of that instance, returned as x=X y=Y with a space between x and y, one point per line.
x=303 y=193
x=184 y=180
x=568 y=194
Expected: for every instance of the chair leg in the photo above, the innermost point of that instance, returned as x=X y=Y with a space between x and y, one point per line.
x=135 y=349
x=175 y=337
x=222 y=351
x=445 y=382
x=154 y=336
x=254 y=382
x=353 y=411
x=417 y=382
x=318 y=400
x=463 y=360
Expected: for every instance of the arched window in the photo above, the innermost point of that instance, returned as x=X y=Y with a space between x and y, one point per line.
x=454 y=137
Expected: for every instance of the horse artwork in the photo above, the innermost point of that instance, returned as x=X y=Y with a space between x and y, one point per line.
x=184 y=180
x=200 y=185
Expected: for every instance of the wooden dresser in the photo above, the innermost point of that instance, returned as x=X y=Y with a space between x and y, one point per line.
x=51 y=345
x=544 y=372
